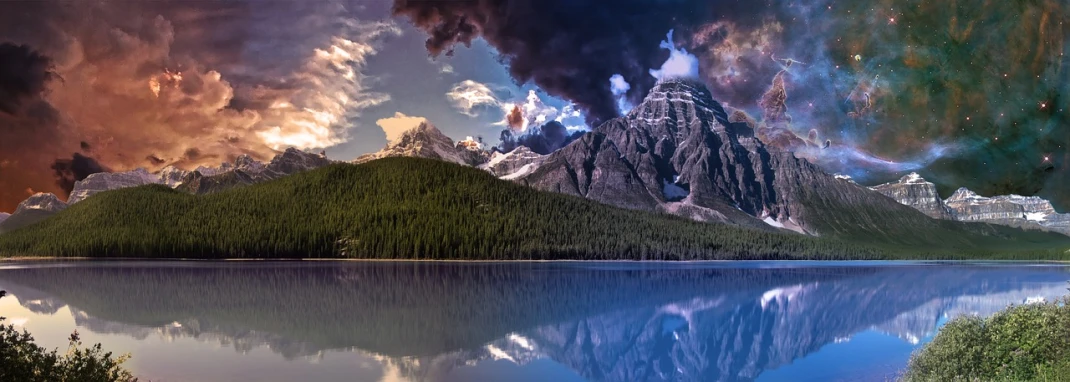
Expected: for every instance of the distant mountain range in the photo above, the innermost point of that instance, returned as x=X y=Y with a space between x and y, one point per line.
x=678 y=152
x=245 y=170
x=1029 y=212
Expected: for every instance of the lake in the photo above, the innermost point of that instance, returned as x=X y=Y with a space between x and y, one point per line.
x=567 y=321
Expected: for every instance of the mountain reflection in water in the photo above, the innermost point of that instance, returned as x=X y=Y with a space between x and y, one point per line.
x=542 y=321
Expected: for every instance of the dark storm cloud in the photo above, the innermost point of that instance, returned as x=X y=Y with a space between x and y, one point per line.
x=24 y=73
x=78 y=167
x=542 y=140
x=569 y=48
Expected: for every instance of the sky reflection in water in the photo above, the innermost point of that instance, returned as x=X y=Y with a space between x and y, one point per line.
x=327 y=321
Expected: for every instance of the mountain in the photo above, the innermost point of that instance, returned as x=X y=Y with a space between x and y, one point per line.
x=393 y=208
x=678 y=152
x=517 y=163
x=427 y=141
x=245 y=171
x=967 y=206
x=172 y=176
x=4 y=216
x=105 y=181
x=34 y=209
x=1011 y=210
x=915 y=191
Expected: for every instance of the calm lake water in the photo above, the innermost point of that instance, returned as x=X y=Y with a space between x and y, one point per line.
x=561 y=322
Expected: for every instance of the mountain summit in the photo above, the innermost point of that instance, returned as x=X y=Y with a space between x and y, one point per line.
x=678 y=152
x=426 y=141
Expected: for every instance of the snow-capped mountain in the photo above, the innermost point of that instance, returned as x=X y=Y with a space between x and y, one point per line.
x=517 y=163
x=105 y=181
x=915 y=191
x=679 y=152
x=41 y=201
x=244 y=170
x=427 y=141
x=36 y=208
x=967 y=206
x=172 y=176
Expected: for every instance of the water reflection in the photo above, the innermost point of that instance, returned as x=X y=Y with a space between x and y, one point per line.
x=559 y=321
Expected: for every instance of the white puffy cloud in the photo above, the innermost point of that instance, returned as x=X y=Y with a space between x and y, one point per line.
x=399 y=123
x=468 y=96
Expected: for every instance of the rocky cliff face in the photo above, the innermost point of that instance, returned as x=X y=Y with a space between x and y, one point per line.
x=426 y=141
x=1012 y=210
x=679 y=152
x=964 y=205
x=915 y=191
x=517 y=163
x=105 y=181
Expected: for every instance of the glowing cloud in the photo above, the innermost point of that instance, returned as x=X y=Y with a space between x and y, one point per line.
x=619 y=86
x=467 y=96
x=679 y=65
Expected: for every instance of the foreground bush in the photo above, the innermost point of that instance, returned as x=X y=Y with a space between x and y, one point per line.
x=1021 y=343
x=24 y=361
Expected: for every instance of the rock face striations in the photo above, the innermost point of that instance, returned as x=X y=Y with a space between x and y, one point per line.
x=967 y=206
x=679 y=152
x=519 y=162
x=426 y=141
x=915 y=191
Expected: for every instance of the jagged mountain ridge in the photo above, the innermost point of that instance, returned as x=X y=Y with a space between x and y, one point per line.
x=427 y=141
x=245 y=170
x=1030 y=212
x=678 y=152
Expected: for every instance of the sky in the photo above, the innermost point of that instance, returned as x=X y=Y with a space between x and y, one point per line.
x=968 y=93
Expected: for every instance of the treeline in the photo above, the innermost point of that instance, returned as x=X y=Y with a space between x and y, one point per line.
x=396 y=208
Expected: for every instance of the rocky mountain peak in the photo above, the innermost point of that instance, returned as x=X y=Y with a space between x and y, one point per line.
x=679 y=152
x=426 y=141
x=105 y=181
x=963 y=194
x=4 y=216
x=913 y=178
x=42 y=201
x=519 y=162
x=913 y=190
x=172 y=176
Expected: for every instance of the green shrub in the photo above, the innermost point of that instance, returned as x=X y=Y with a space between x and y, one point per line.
x=24 y=361
x=1021 y=343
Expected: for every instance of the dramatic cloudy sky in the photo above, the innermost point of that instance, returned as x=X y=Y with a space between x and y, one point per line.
x=969 y=93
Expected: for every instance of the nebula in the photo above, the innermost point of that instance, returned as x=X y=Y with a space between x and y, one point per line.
x=972 y=94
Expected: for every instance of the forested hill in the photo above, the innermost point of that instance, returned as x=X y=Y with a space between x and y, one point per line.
x=395 y=208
